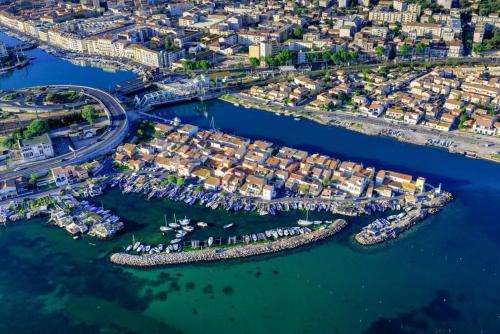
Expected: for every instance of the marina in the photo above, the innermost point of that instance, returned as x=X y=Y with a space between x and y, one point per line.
x=190 y=194
x=237 y=251
x=76 y=217
x=384 y=229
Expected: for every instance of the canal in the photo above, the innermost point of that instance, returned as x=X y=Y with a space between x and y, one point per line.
x=442 y=276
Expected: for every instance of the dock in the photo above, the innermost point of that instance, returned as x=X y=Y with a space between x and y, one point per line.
x=238 y=251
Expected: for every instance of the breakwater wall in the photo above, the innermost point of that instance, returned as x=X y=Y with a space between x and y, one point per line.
x=239 y=251
x=412 y=218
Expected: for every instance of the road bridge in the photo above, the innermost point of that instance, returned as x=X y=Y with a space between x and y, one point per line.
x=116 y=133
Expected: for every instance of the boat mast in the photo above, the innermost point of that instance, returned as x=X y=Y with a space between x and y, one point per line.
x=212 y=124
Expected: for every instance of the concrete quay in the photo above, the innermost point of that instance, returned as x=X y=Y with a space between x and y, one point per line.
x=217 y=254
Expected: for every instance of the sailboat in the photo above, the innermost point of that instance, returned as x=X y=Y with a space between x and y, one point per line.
x=305 y=222
x=165 y=228
x=135 y=244
x=174 y=224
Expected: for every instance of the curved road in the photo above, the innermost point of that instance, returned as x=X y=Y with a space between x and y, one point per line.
x=115 y=134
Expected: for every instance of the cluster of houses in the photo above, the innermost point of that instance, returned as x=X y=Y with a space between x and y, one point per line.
x=444 y=98
x=137 y=30
x=60 y=176
x=80 y=218
x=224 y=162
x=290 y=93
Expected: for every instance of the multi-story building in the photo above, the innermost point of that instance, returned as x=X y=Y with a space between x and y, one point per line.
x=36 y=148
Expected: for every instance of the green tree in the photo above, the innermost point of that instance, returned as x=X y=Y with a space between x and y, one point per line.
x=169 y=44
x=180 y=181
x=203 y=64
x=298 y=32
x=380 y=51
x=477 y=48
x=254 y=62
x=89 y=114
x=404 y=50
x=33 y=180
x=353 y=55
x=35 y=128
x=420 y=48
x=171 y=179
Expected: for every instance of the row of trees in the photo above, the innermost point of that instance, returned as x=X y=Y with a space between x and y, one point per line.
x=190 y=65
x=405 y=50
x=35 y=128
x=337 y=57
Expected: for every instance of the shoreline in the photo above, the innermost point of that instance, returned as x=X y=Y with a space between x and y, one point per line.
x=358 y=126
x=366 y=237
x=73 y=57
x=240 y=251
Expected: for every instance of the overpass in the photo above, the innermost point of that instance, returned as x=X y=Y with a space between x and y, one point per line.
x=116 y=133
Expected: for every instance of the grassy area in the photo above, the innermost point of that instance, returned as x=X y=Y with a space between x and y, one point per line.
x=122 y=168
x=10 y=96
x=495 y=157
x=63 y=97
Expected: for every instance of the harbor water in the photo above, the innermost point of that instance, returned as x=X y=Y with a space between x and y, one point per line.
x=442 y=276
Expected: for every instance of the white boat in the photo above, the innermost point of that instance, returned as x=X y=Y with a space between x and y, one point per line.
x=136 y=245
x=181 y=234
x=228 y=226
x=129 y=248
x=165 y=228
x=184 y=221
x=210 y=241
x=202 y=224
x=188 y=228
x=175 y=241
x=303 y=222
x=174 y=225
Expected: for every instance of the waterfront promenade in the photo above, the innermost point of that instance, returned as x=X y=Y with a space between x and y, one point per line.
x=239 y=251
x=466 y=143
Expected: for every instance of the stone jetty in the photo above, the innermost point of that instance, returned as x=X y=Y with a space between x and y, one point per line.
x=238 y=251
x=368 y=237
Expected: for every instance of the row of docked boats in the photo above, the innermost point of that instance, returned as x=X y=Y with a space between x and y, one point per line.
x=140 y=248
x=191 y=194
x=178 y=245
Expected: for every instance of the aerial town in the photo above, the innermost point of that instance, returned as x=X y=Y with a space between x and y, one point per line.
x=313 y=59
x=423 y=72
x=200 y=34
x=164 y=162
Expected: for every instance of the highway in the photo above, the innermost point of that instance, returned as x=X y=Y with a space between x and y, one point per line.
x=115 y=134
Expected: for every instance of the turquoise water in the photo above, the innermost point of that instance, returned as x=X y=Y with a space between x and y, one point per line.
x=440 y=277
